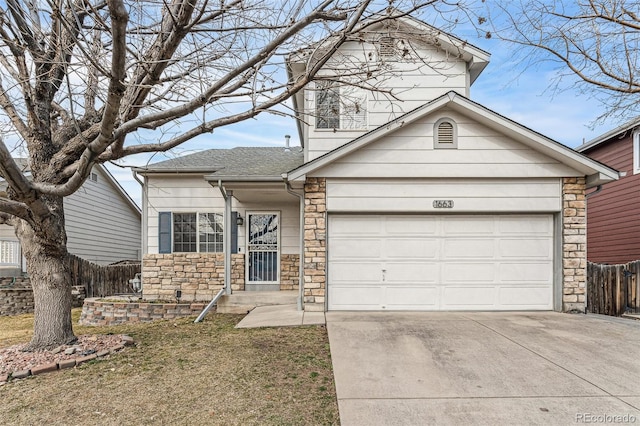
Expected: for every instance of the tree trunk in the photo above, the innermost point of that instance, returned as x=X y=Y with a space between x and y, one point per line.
x=44 y=247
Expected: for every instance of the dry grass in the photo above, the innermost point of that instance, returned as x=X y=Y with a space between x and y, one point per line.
x=182 y=373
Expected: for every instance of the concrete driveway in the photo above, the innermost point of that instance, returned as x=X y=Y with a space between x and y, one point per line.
x=485 y=368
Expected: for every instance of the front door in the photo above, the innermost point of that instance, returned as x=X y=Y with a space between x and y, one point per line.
x=263 y=252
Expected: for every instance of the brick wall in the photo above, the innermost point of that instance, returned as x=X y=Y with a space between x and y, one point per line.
x=315 y=244
x=574 y=244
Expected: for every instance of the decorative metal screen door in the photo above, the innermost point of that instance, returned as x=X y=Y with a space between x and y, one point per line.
x=263 y=252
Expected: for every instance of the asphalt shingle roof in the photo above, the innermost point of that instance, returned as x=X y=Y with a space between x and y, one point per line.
x=240 y=161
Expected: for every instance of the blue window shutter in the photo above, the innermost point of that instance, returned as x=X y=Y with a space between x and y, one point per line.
x=234 y=232
x=164 y=232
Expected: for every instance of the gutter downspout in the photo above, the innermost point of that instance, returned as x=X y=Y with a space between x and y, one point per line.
x=143 y=225
x=226 y=239
x=598 y=189
x=287 y=186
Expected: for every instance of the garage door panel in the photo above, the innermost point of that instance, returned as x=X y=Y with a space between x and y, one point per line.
x=413 y=248
x=460 y=225
x=518 y=297
x=460 y=248
x=440 y=262
x=411 y=298
x=411 y=272
x=356 y=297
x=356 y=248
x=368 y=225
x=468 y=272
x=410 y=225
x=467 y=297
x=355 y=272
x=525 y=272
x=526 y=225
x=526 y=248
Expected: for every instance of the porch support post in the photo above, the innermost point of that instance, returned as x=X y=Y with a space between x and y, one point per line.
x=226 y=236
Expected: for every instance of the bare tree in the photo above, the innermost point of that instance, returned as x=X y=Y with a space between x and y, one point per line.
x=595 y=44
x=85 y=82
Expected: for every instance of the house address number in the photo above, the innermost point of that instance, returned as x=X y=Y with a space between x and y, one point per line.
x=442 y=204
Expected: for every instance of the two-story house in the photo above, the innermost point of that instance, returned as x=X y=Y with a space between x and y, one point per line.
x=613 y=234
x=404 y=195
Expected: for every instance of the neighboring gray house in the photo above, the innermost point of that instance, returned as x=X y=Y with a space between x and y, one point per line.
x=102 y=221
x=425 y=202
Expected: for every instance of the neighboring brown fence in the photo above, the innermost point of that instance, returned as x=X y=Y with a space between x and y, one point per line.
x=613 y=289
x=99 y=280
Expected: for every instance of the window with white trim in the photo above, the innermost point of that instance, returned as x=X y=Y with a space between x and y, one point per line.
x=636 y=152
x=340 y=107
x=445 y=134
x=197 y=232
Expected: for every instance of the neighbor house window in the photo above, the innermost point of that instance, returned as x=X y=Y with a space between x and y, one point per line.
x=340 y=107
x=636 y=152
x=445 y=133
x=197 y=232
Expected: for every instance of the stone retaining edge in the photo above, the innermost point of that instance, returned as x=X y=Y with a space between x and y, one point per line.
x=65 y=363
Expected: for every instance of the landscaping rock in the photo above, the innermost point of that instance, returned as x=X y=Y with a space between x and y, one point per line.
x=4 y=378
x=56 y=350
x=46 y=368
x=70 y=351
x=128 y=340
x=22 y=374
x=67 y=363
x=84 y=359
x=88 y=352
x=102 y=353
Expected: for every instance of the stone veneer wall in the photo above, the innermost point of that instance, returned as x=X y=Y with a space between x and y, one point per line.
x=574 y=245
x=99 y=312
x=16 y=296
x=315 y=244
x=16 y=301
x=198 y=275
x=289 y=271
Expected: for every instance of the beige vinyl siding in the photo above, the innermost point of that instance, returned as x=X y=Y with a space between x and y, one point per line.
x=101 y=225
x=468 y=195
x=194 y=194
x=482 y=152
x=7 y=233
x=411 y=83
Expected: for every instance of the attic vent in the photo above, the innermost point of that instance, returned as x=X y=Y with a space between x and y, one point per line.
x=94 y=177
x=387 y=47
x=446 y=134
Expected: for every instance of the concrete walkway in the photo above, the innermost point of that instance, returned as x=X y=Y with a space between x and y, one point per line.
x=484 y=368
x=280 y=316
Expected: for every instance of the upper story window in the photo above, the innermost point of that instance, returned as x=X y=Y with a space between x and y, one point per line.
x=636 y=152
x=445 y=133
x=340 y=107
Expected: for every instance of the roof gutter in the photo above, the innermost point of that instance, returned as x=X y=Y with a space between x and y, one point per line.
x=287 y=186
x=228 y=179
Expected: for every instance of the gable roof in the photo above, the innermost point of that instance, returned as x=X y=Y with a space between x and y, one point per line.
x=605 y=137
x=246 y=163
x=23 y=165
x=596 y=172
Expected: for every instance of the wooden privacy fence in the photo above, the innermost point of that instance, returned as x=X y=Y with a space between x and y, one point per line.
x=613 y=289
x=99 y=280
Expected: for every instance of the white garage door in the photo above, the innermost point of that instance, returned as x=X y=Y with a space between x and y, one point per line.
x=397 y=262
